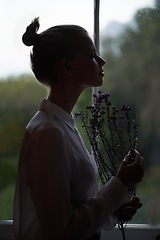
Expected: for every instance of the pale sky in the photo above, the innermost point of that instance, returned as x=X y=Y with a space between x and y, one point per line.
x=17 y=14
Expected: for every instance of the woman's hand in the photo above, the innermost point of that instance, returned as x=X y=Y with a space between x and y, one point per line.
x=127 y=211
x=131 y=170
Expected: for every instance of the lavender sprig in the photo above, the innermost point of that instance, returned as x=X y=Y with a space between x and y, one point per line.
x=111 y=134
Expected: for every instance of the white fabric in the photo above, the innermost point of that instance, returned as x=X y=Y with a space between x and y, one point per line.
x=57 y=194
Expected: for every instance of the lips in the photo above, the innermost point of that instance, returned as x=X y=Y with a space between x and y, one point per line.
x=101 y=73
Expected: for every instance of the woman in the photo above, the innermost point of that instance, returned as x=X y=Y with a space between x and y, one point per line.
x=57 y=195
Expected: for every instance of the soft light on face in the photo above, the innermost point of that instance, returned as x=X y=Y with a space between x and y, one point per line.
x=87 y=65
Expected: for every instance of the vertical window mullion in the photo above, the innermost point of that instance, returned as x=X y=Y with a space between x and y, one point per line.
x=96 y=36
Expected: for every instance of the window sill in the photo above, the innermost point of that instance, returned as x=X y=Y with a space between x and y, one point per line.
x=133 y=231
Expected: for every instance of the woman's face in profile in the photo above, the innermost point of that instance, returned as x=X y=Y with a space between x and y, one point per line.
x=87 y=66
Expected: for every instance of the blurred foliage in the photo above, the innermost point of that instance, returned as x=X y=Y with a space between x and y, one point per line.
x=133 y=75
x=20 y=97
x=8 y=171
x=149 y=192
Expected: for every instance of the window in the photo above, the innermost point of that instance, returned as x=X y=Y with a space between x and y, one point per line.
x=129 y=41
x=130 y=45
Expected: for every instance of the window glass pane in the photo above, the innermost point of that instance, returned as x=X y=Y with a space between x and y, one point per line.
x=130 y=45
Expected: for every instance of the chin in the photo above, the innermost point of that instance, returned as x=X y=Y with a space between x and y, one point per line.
x=98 y=83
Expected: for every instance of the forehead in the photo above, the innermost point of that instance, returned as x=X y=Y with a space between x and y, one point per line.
x=86 y=43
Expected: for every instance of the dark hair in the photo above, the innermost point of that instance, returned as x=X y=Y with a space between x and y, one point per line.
x=51 y=45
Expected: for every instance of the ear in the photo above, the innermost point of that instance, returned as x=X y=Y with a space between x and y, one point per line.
x=66 y=66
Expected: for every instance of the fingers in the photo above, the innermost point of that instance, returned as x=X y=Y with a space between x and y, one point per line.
x=137 y=164
x=136 y=157
x=135 y=202
x=126 y=212
x=139 y=159
x=131 y=170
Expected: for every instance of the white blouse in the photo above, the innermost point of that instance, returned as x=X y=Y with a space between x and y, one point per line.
x=57 y=192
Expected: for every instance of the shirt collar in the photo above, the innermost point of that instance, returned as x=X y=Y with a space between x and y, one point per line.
x=58 y=112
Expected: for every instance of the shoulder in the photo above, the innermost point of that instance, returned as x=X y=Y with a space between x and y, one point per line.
x=43 y=124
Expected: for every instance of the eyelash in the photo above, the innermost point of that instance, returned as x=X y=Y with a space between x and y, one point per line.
x=93 y=55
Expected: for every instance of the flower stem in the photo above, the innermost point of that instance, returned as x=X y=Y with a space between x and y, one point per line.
x=122 y=228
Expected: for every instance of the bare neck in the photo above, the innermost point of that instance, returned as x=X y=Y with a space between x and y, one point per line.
x=66 y=98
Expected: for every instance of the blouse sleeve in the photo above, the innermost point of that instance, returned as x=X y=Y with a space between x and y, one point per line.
x=49 y=179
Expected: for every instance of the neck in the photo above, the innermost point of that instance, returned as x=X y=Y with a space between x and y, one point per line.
x=64 y=98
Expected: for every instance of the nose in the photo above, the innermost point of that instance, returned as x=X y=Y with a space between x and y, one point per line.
x=100 y=61
x=103 y=61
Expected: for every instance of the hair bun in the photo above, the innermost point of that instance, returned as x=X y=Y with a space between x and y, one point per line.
x=29 y=38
